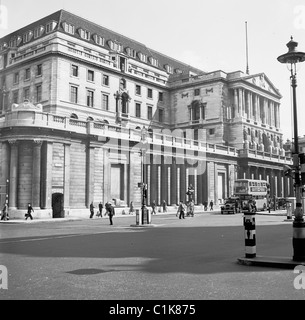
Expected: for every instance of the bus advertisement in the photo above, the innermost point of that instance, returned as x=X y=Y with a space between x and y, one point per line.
x=253 y=192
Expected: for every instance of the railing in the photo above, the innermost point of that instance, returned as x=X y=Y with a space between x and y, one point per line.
x=32 y=118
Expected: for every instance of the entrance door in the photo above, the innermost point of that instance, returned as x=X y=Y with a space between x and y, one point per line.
x=221 y=186
x=58 y=205
x=117 y=181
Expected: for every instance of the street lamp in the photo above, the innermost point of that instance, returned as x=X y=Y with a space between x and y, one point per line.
x=292 y=58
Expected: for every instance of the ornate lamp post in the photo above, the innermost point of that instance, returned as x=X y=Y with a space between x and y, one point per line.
x=292 y=58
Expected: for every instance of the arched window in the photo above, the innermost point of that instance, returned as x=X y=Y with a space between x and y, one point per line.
x=125 y=99
x=90 y=119
x=73 y=116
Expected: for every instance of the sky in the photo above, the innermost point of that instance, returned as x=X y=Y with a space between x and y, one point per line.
x=209 y=35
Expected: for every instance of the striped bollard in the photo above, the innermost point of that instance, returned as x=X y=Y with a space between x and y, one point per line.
x=250 y=235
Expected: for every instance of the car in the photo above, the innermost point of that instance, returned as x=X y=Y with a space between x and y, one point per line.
x=248 y=206
x=231 y=206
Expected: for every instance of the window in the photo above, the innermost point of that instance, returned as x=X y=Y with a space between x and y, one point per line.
x=197 y=110
x=169 y=69
x=138 y=110
x=16 y=78
x=143 y=57
x=27 y=74
x=211 y=131
x=16 y=96
x=38 y=31
x=149 y=113
x=99 y=40
x=50 y=26
x=84 y=34
x=197 y=92
x=26 y=94
x=115 y=46
x=105 y=80
x=138 y=90
x=74 y=70
x=90 y=98
x=27 y=36
x=161 y=96
x=69 y=28
x=161 y=115
x=154 y=61
x=74 y=94
x=38 y=94
x=105 y=102
x=90 y=75
x=39 y=70
x=131 y=52
x=149 y=93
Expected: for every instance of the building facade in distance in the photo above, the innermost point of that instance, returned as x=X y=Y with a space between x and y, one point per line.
x=75 y=98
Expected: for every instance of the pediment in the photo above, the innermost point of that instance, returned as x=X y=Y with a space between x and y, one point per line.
x=263 y=82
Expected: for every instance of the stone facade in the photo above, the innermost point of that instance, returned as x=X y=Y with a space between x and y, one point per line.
x=75 y=97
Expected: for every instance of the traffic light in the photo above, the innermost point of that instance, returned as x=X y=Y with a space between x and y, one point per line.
x=302 y=165
x=145 y=190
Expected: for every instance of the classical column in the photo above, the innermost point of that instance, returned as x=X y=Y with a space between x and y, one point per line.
x=46 y=183
x=67 y=178
x=236 y=107
x=244 y=102
x=4 y=163
x=173 y=182
x=247 y=99
x=90 y=169
x=13 y=174
x=36 y=175
x=240 y=102
x=251 y=113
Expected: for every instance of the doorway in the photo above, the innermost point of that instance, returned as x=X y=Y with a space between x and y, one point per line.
x=58 y=205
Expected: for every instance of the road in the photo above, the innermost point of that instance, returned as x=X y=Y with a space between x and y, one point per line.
x=190 y=259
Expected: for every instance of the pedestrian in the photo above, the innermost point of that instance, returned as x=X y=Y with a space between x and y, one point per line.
x=192 y=208
x=164 y=206
x=153 y=205
x=211 y=205
x=28 y=214
x=131 y=208
x=110 y=211
x=100 y=210
x=5 y=212
x=91 y=210
x=181 y=210
x=205 y=206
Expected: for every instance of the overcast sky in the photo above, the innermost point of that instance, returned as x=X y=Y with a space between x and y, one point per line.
x=209 y=35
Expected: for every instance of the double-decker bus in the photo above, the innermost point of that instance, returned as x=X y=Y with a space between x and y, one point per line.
x=249 y=189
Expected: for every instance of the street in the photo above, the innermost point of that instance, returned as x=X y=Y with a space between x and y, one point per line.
x=191 y=259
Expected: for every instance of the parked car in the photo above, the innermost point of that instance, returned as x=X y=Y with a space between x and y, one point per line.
x=231 y=206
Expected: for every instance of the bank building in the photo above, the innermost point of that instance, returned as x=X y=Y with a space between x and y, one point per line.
x=87 y=114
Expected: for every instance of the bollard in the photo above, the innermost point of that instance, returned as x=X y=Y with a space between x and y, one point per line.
x=250 y=235
x=137 y=217
x=289 y=211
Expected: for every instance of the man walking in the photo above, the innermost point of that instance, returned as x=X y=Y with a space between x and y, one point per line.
x=91 y=210
x=30 y=210
x=110 y=211
x=181 y=210
x=100 y=208
x=5 y=212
